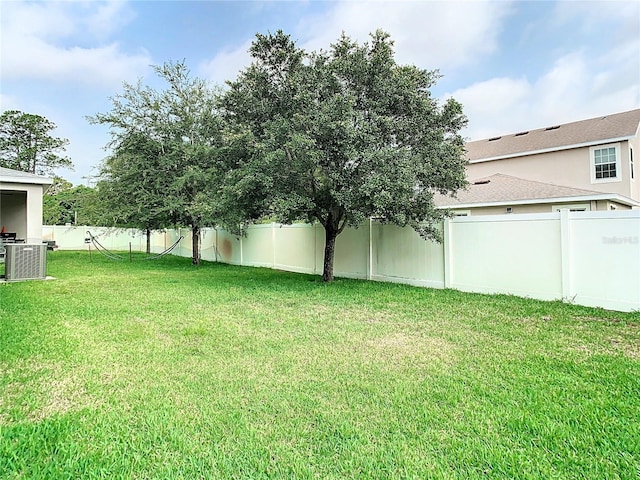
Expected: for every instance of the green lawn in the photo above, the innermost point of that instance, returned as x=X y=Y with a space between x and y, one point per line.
x=162 y=370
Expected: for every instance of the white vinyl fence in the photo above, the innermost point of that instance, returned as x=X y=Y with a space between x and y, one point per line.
x=590 y=258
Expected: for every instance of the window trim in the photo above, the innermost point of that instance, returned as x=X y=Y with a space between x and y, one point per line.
x=592 y=163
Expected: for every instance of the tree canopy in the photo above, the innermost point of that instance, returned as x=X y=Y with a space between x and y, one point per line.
x=26 y=144
x=164 y=168
x=339 y=136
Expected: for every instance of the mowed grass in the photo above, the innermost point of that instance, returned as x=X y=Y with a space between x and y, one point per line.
x=162 y=370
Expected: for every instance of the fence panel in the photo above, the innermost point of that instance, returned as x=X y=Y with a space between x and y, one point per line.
x=163 y=239
x=513 y=254
x=295 y=248
x=605 y=259
x=592 y=258
x=351 y=253
x=73 y=238
x=258 y=247
x=401 y=255
x=229 y=247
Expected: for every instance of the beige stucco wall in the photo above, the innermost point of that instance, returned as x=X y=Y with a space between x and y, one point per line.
x=571 y=168
x=21 y=210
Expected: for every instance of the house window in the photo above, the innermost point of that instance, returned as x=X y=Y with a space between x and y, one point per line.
x=605 y=163
x=576 y=207
x=631 y=163
x=461 y=213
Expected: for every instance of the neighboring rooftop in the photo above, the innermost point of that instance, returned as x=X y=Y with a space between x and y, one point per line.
x=500 y=188
x=593 y=130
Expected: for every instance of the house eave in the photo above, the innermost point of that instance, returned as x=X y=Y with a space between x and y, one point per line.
x=534 y=201
x=554 y=149
x=25 y=180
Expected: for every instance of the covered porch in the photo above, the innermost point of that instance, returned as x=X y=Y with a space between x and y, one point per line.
x=21 y=205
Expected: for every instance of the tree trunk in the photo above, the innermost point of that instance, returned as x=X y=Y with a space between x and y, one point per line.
x=148 y=241
x=195 y=245
x=329 y=251
x=331 y=231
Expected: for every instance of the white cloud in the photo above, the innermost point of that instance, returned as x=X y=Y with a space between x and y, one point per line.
x=452 y=34
x=592 y=15
x=226 y=64
x=105 y=65
x=576 y=87
x=46 y=20
x=36 y=38
x=108 y=17
x=429 y=34
x=59 y=19
x=495 y=106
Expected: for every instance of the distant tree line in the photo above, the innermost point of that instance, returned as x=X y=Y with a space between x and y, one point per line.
x=333 y=137
x=26 y=143
x=65 y=204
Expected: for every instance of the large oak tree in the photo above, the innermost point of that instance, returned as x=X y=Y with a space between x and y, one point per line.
x=342 y=135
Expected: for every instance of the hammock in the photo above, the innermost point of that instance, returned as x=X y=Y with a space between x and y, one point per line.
x=114 y=256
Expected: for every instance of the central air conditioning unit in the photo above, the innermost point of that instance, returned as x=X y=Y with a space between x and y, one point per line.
x=25 y=262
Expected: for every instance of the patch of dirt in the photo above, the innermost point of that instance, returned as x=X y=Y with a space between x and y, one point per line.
x=629 y=347
x=588 y=318
x=379 y=317
x=63 y=395
x=52 y=390
x=399 y=348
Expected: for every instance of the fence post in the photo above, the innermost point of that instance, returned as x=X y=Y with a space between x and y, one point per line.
x=565 y=253
x=215 y=249
x=315 y=247
x=370 y=265
x=448 y=253
x=273 y=244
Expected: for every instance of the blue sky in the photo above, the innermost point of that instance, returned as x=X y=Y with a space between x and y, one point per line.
x=513 y=65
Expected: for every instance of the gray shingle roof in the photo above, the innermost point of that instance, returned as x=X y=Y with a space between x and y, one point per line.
x=505 y=188
x=618 y=125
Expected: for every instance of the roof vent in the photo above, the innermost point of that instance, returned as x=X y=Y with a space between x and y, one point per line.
x=482 y=182
x=521 y=133
x=552 y=128
x=494 y=139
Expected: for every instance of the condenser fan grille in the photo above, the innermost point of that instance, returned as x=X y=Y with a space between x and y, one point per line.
x=25 y=262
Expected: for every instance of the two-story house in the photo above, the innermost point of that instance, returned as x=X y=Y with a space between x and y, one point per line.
x=583 y=165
